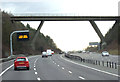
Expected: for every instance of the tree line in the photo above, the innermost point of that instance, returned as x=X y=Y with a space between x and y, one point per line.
x=112 y=38
x=23 y=47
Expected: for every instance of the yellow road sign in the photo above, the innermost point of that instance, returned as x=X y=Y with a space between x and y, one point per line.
x=23 y=36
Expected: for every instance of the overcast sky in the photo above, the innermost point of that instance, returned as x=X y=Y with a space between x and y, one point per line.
x=69 y=35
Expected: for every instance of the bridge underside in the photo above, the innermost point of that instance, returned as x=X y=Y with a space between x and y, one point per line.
x=64 y=18
x=91 y=19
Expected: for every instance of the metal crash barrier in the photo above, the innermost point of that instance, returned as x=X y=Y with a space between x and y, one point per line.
x=94 y=62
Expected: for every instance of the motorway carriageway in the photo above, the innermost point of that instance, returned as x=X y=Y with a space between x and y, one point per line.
x=54 y=67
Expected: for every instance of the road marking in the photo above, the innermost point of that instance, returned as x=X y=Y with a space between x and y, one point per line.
x=9 y=66
x=38 y=79
x=35 y=60
x=63 y=68
x=6 y=62
x=58 y=65
x=70 y=72
x=34 y=68
x=55 y=63
x=81 y=78
x=36 y=73
x=6 y=69
x=32 y=57
x=91 y=68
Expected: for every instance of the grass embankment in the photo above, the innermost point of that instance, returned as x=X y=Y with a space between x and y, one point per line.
x=114 y=52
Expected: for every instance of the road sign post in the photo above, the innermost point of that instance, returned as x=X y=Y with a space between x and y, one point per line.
x=11 y=49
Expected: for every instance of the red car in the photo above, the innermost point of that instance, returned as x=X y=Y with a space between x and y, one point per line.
x=21 y=62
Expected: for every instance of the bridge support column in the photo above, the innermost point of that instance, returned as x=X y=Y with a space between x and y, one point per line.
x=36 y=34
x=103 y=43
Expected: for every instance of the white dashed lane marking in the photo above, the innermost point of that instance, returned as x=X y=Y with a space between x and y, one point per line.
x=63 y=68
x=34 y=68
x=91 y=67
x=70 y=72
x=81 y=78
x=36 y=73
x=38 y=79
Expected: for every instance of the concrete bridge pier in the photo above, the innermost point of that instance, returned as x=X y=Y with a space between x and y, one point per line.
x=36 y=34
x=97 y=30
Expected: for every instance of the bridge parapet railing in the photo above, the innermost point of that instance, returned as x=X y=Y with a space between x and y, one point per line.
x=46 y=14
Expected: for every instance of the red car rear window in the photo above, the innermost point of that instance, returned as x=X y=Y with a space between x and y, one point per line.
x=21 y=59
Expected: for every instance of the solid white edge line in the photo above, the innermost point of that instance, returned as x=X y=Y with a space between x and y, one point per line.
x=91 y=68
x=81 y=78
x=6 y=69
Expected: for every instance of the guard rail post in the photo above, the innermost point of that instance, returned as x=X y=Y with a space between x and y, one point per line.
x=110 y=64
x=99 y=62
x=103 y=63
x=107 y=63
x=115 y=65
x=96 y=62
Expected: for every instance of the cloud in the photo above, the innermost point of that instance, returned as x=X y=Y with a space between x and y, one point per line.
x=30 y=7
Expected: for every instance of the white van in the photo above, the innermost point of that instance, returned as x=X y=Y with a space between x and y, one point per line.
x=44 y=54
x=49 y=52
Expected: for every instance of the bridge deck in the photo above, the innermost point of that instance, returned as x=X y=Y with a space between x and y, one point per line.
x=65 y=18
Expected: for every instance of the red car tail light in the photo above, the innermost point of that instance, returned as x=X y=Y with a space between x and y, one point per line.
x=27 y=63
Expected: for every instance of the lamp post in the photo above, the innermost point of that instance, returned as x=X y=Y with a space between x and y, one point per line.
x=11 y=49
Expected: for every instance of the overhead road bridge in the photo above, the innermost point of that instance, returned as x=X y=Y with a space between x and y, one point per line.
x=64 y=18
x=91 y=19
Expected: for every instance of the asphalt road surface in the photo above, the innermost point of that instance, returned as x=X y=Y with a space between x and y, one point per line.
x=54 y=67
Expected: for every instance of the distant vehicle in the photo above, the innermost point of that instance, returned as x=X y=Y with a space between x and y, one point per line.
x=49 y=52
x=60 y=52
x=21 y=62
x=44 y=54
x=105 y=53
x=83 y=51
x=52 y=52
